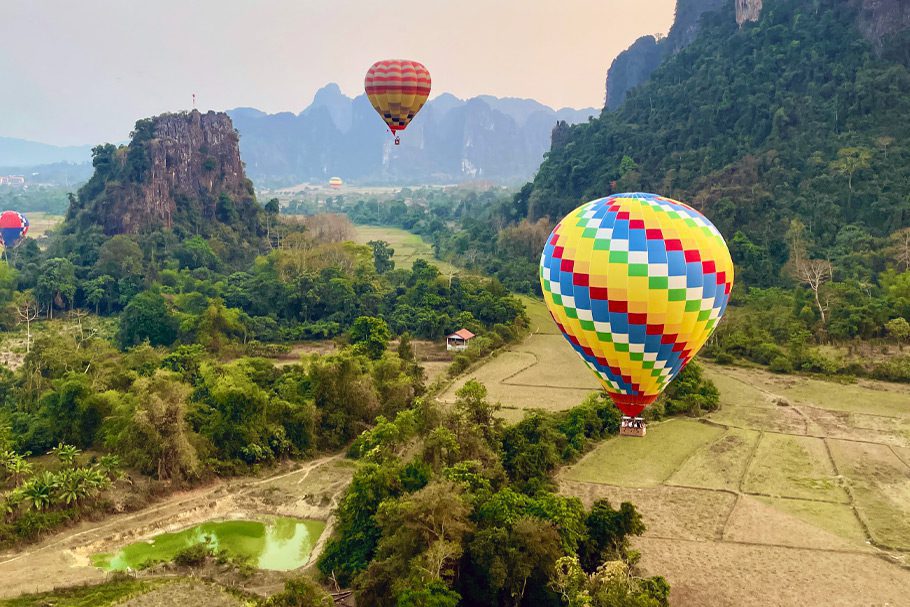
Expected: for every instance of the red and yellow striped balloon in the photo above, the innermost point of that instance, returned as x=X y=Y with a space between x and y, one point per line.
x=397 y=88
x=637 y=283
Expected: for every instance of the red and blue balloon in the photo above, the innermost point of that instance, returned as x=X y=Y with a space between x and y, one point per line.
x=13 y=228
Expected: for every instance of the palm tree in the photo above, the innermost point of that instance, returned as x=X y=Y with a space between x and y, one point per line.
x=95 y=480
x=19 y=469
x=6 y=458
x=110 y=466
x=70 y=486
x=67 y=454
x=11 y=501
x=39 y=490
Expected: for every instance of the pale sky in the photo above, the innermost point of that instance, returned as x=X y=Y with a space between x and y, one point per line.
x=83 y=71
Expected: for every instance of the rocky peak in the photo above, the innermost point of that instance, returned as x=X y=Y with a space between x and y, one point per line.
x=180 y=168
x=747 y=10
x=635 y=64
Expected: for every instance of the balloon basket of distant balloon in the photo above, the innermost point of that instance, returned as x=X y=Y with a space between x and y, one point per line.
x=632 y=426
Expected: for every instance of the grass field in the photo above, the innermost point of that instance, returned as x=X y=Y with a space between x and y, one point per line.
x=880 y=483
x=644 y=463
x=837 y=519
x=542 y=372
x=40 y=223
x=408 y=247
x=793 y=466
x=101 y=595
x=128 y=592
x=720 y=464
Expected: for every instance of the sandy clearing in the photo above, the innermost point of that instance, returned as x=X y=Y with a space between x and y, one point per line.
x=63 y=559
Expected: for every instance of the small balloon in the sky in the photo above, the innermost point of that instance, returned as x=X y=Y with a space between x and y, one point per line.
x=13 y=228
x=335 y=183
x=397 y=88
x=637 y=283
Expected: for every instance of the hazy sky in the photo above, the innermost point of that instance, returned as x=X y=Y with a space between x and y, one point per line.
x=83 y=71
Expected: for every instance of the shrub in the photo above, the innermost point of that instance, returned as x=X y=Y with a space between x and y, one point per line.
x=816 y=362
x=896 y=369
x=781 y=364
x=195 y=555
x=765 y=352
x=459 y=364
x=724 y=358
x=299 y=592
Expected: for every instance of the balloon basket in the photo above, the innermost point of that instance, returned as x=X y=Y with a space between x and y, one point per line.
x=398 y=141
x=632 y=426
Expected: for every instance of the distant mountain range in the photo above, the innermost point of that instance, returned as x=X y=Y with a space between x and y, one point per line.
x=24 y=153
x=450 y=140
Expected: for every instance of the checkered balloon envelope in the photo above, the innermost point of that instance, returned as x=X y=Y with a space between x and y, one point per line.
x=637 y=283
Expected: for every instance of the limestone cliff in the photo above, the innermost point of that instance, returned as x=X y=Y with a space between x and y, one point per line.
x=180 y=171
x=881 y=20
x=747 y=10
x=634 y=65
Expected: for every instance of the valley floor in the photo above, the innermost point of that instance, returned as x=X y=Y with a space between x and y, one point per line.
x=795 y=492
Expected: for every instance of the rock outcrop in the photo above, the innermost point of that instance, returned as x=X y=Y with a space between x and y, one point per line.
x=634 y=65
x=178 y=171
x=747 y=10
x=879 y=20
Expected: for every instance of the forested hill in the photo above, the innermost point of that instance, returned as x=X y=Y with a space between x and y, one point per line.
x=180 y=172
x=794 y=115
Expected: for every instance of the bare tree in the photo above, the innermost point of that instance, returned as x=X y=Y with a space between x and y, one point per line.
x=901 y=247
x=27 y=310
x=815 y=273
x=78 y=316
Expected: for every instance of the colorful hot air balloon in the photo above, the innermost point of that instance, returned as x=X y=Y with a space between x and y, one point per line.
x=13 y=228
x=637 y=283
x=397 y=88
x=335 y=183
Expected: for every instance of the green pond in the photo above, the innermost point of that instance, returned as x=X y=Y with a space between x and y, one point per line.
x=280 y=544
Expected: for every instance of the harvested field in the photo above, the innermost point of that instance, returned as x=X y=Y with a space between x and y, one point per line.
x=731 y=574
x=797 y=523
x=793 y=466
x=682 y=512
x=721 y=464
x=630 y=462
x=880 y=484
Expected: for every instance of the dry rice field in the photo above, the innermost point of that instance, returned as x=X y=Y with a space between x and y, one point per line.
x=795 y=492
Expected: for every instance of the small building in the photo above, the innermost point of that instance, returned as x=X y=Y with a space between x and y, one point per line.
x=458 y=341
x=12 y=180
